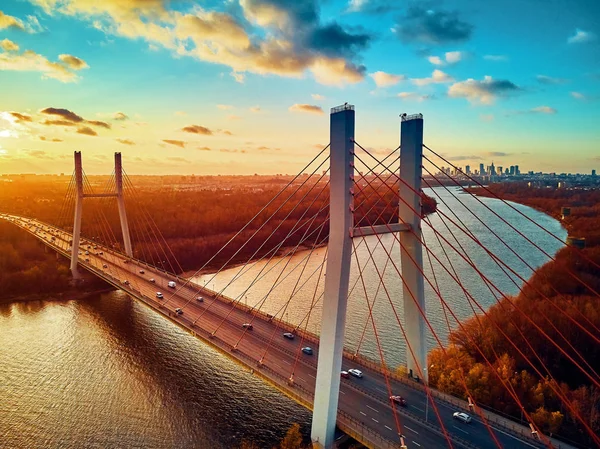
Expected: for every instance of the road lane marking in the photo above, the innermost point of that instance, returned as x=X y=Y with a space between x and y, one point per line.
x=512 y=436
x=312 y=376
x=388 y=428
x=379 y=389
x=376 y=411
x=416 y=443
x=464 y=431
x=364 y=414
x=420 y=409
x=375 y=420
x=342 y=392
x=285 y=361
x=412 y=430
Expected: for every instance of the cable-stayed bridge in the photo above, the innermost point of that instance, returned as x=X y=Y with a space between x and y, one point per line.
x=345 y=198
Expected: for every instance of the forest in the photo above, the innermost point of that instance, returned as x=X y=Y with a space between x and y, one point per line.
x=482 y=358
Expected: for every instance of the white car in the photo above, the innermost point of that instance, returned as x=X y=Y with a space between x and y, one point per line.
x=159 y=295
x=355 y=372
x=200 y=299
x=152 y=280
x=172 y=284
x=462 y=416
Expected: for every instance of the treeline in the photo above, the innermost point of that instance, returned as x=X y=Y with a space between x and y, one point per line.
x=507 y=352
x=196 y=220
x=293 y=440
x=25 y=268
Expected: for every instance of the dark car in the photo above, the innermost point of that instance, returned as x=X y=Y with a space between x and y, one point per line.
x=289 y=336
x=398 y=400
x=307 y=350
x=247 y=326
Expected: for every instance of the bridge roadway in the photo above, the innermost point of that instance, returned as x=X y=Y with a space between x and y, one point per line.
x=365 y=410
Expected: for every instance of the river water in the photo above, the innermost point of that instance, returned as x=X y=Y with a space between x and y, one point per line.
x=107 y=372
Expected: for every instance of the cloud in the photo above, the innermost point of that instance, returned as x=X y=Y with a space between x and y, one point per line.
x=414 y=96
x=125 y=141
x=451 y=57
x=20 y=117
x=431 y=27
x=181 y=113
x=277 y=37
x=30 y=61
x=73 y=62
x=204 y=149
x=224 y=106
x=177 y=143
x=233 y=117
x=465 y=158
x=496 y=154
x=581 y=37
x=87 y=131
x=58 y=123
x=437 y=77
x=238 y=77
x=496 y=58
x=578 y=95
x=544 y=110
x=255 y=109
x=549 y=80
x=383 y=79
x=197 y=129
x=99 y=123
x=226 y=150
x=356 y=5
x=317 y=97
x=8 y=45
x=310 y=108
x=483 y=92
x=121 y=116
x=7 y=21
x=47 y=139
x=487 y=117
x=64 y=114
x=178 y=159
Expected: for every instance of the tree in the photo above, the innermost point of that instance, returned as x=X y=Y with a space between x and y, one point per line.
x=292 y=439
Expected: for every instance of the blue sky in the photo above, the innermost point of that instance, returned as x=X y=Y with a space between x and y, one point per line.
x=245 y=86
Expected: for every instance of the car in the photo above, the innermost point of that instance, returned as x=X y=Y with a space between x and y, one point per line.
x=398 y=400
x=307 y=350
x=247 y=326
x=345 y=374
x=87 y=259
x=125 y=282
x=179 y=311
x=142 y=271
x=87 y=253
x=152 y=280
x=104 y=266
x=200 y=299
x=171 y=284
x=355 y=372
x=159 y=295
x=101 y=253
x=462 y=416
x=289 y=335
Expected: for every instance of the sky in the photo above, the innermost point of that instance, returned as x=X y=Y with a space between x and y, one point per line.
x=245 y=86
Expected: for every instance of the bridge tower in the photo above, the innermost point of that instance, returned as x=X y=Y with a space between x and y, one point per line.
x=341 y=231
x=79 y=196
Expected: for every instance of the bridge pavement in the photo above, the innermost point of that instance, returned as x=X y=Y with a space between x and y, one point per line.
x=364 y=403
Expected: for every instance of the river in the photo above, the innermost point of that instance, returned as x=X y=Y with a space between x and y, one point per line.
x=107 y=372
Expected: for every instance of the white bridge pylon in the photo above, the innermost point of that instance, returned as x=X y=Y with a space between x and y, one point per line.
x=79 y=196
x=331 y=344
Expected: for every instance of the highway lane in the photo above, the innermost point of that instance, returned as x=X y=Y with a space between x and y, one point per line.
x=366 y=400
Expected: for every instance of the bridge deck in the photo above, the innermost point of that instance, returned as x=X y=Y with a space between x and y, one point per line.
x=364 y=407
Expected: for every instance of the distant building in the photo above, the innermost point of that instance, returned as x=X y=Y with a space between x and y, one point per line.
x=468 y=170
x=512 y=170
x=481 y=169
x=517 y=172
x=593 y=172
x=499 y=170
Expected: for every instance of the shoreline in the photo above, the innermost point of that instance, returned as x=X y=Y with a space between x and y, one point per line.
x=70 y=295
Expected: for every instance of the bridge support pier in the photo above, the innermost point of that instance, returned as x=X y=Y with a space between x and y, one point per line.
x=331 y=342
x=411 y=159
x=121 y=203
x=78 y=214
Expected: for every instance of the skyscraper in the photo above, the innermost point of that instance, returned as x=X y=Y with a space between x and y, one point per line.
x=468 y=170
x=517 y=172
x=481 y=169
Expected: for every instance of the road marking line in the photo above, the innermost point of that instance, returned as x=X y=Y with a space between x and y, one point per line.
x=420 y=409
x=412 y=430
x=300 y=379
x=388 y=428
x=364 y=414
x=464 y=431
x=512 y=436
x=377 y=411
x=375 y=420
x=312 y=376
x=285 y=361
x=342 y=392
x=379 y=389
x=416 y=443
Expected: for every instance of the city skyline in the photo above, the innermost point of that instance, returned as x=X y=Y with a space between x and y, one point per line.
x=245 y=86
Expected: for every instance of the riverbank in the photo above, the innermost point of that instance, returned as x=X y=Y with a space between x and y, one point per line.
x=69 y=295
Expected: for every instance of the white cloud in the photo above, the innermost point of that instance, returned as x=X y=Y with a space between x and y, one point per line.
x=224 y=107
x=486 y=117
x=356 y=5
x=437 y=77
x=31 y=25
x=452 y=57
x=482 y=92
x=496 y=58
x=435 y=60
x=544 y=110
x=578 y=95
x=383 y=79
x=238 y=77
x=30 y=61
x=308 y=108
x=544 y=79
x=255 y=109
x=414 y=96
x=8 y=45
x=581 y=37
x=317 y=97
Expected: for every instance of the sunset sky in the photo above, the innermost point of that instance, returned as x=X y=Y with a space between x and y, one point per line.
x=245 y=86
